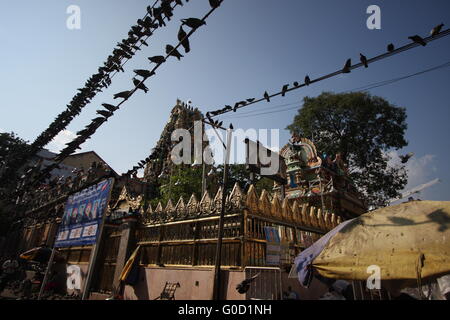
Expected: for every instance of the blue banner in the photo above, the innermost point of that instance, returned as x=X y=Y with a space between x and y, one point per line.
x=80 y=224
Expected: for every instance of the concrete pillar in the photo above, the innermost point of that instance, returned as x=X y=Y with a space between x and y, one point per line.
x=126 y=246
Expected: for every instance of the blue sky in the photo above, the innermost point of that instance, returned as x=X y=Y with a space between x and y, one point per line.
x=247 y=47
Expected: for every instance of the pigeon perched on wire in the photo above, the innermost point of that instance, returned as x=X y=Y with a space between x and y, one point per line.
x=182 y=37
x=215 y=3
x=146 y=23
x=244 y=286
x=284 y=89
x=418 y=39
x=193 y=23
x=123 y=94
x=150 y=11
x=363 y=60
x=296 y=84
x=157 y=59
x=266 y=96
x=170 y=50
x=390 y=47
x=109 y=107
x=144 y=73
x=166 y=9
x=406 y=157
x=436 y=30
x=209 y=118
x=157 y=13
x=307 y=80
x=140 y=85
x=347 y=66
x=99 y=120
x=104 y=113
x=250 y=99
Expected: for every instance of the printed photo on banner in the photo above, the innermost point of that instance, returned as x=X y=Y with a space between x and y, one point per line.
x=83 y=214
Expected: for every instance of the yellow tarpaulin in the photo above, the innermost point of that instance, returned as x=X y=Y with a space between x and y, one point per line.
x=409 y=241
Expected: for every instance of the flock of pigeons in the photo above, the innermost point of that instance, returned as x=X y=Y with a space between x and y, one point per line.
x=137 y=36
x=124 y=50
x=307 y=81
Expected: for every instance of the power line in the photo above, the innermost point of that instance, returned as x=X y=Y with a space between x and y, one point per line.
x=346 y=69
x=363 y=88
x=390 y=81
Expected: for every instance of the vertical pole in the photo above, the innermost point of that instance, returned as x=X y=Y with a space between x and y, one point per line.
x=47 y=271
x=247 y=160
x=203 y=177
x=217 y=286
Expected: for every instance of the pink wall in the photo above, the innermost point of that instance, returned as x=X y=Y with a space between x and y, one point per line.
x=197 y=284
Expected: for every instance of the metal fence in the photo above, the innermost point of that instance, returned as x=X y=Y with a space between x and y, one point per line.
x=267 y=286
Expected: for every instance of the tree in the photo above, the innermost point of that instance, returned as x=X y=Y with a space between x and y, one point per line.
x=186 y=180
x=182 y=182
x=363 y=128
x=12 y=149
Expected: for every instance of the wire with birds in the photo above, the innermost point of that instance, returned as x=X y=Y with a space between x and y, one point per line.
x=194 y=24
x=416 y=41
x=114 y=64
x=103 y=78
x=261 y=111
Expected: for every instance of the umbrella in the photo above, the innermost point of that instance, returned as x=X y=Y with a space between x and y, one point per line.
x=40 y=254
x=408 y=242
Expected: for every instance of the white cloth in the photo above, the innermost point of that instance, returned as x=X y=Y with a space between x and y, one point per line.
x=444 y=284
x=304 y=260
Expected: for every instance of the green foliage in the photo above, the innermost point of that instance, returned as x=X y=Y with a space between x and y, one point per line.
x=12 y=150
x=186 y=180
x=182 y=182
x=363 y=128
